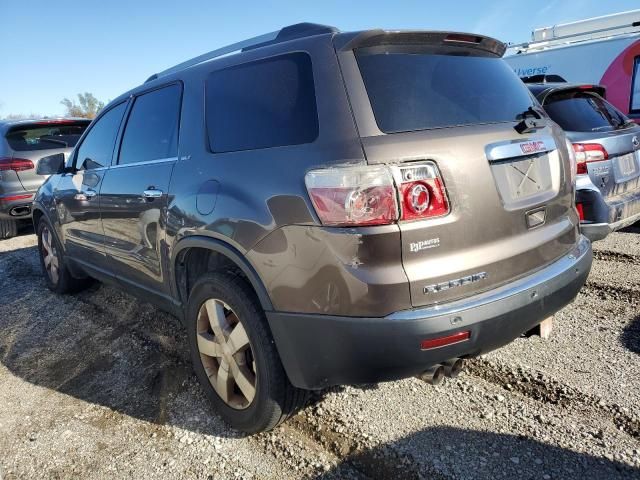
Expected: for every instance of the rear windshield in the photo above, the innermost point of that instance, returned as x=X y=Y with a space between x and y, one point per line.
x=585 y=112
x=421 y=88
x=23 y=138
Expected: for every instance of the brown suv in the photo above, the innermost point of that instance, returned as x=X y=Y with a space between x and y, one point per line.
x=323 y=208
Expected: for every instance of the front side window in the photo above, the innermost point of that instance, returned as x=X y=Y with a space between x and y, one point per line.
x=424 y=87
x=46 y=135
x=577 y=111
x=635 y=87
x=263 y=104
x=96 y=149
x=151 y=132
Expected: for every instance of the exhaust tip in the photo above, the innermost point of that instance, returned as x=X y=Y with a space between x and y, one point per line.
x=453 y=367
x=433 y=375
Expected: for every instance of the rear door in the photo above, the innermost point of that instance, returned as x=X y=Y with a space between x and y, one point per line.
x=134 y=192
x=510 y=194
x=76 y=195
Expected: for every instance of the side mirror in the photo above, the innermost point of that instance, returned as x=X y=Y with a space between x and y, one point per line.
x=51 y=165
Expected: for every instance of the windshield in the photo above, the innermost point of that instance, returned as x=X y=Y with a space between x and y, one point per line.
x=578 y=111
x=24 y=138
x=414 y=88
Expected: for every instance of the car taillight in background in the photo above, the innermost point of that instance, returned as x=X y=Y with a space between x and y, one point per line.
x=367 y=195
x=15 y=164
x=587 y=153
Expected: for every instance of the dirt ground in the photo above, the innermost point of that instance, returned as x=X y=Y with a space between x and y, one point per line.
x=99 y=385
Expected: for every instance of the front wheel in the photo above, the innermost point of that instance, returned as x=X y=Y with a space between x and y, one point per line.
x=234 y=355
x=52 y=261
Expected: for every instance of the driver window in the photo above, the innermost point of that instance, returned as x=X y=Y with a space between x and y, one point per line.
x=97 y=147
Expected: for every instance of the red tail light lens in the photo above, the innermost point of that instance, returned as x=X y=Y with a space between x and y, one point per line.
x=15 y=164
x=580 y=210
x=422 y=192
x=587 y=153
x=346 y=196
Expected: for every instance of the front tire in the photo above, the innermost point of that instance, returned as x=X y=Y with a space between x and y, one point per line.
x=53 y=263
x=8 y=228
x=234 y=355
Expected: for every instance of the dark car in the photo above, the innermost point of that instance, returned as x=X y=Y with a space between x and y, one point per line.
x=22 y=143
x=323 y=208
x=607 y=147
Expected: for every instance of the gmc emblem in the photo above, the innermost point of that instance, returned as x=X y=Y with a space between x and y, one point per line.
x=532 y=147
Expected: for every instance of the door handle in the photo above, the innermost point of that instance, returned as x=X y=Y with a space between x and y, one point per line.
x=152 y=193
x=86 y=195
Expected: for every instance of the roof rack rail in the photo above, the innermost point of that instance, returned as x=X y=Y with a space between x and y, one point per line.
x=291 y=32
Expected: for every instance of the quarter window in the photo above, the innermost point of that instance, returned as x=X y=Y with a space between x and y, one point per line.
x=152 y=128
x=96 y=149
x=262 y=104
x=635 y=87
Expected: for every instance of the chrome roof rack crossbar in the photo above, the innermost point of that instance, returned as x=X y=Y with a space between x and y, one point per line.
x=287 y=33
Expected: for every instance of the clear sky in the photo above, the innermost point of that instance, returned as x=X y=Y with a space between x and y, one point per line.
x=55 y=49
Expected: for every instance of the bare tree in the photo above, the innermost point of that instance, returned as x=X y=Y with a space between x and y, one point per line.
x=88 y=106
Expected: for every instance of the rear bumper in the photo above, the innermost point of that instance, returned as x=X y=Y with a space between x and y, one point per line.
x=16 y=206
x=606 y=215
x=319 y=351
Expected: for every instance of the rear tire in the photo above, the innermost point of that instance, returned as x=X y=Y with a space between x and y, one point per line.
x=53 y=263
x=261 y=397
x=8 y=228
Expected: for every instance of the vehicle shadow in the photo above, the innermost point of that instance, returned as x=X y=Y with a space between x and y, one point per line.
x=457 y=453
x=635 y=228
x=101 y=346
x=630 y=337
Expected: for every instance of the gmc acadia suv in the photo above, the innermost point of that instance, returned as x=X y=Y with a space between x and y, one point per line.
x=323 y=208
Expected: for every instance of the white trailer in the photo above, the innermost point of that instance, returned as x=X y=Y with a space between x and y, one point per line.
x=602 y=50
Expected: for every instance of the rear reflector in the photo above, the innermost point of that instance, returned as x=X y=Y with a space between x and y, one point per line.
x=448 y=340
x=580 y=211
x=15 y=164
x=12 y=198
x=587 y=153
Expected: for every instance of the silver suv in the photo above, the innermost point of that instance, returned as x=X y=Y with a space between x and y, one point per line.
x=323 y=208
x=22 y=143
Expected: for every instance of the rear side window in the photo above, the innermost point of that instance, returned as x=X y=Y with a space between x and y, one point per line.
x=418 y=88
x=152 y=129
x=577 y=111
x=96 y=149
x=268 y=103
x=635 y=87
x=46 y=136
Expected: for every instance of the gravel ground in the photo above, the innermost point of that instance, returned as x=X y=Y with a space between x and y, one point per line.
x=99 y=385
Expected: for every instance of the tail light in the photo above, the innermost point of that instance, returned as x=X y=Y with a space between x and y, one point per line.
x=368 y=195
x=360 y=195
x=422 y=192
x=587 y=153
x=15 y=164
x=580 y=210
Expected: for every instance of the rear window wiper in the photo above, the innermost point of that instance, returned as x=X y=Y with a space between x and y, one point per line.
x=53 y=140
x=530 y=120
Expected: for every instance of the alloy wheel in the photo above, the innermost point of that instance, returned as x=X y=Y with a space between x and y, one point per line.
x=50 y=255
x=226 y=354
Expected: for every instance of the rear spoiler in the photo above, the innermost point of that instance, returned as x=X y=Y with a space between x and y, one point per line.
x=597 y=89
x=372 y=38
